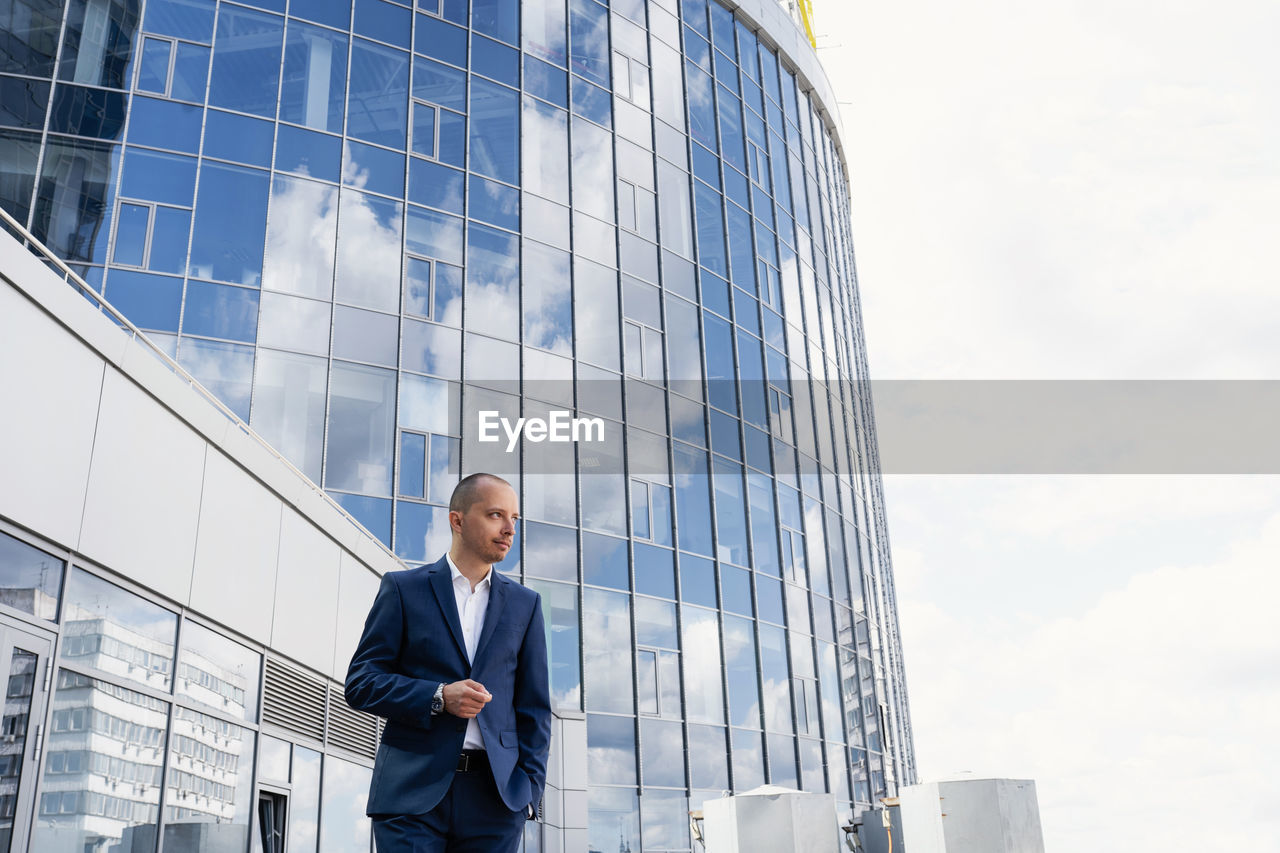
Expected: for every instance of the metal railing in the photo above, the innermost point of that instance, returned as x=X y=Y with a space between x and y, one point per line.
x=49 y=259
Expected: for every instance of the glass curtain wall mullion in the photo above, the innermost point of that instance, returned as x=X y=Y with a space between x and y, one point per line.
x=38 y=169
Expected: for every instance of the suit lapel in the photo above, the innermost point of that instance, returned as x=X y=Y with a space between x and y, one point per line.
x=442 y=586
x=493 y=613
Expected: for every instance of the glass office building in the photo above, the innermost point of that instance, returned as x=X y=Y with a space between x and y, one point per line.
x=360 y=225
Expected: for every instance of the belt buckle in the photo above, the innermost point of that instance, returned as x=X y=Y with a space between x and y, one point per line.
x=464 y=763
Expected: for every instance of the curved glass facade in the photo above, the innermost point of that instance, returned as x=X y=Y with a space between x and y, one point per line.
x=362 y=224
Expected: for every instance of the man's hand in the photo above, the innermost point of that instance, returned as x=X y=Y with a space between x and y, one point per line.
x=465 y=698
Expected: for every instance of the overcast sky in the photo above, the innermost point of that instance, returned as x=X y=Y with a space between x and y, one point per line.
x=1082 y=190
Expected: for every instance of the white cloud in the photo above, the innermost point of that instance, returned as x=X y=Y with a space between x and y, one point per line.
x=1139 y=716
x=1074 y=191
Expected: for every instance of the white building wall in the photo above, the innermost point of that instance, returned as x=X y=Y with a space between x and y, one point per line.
x=105 y=452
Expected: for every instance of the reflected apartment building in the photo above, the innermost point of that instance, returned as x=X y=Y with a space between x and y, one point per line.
x=359 y=224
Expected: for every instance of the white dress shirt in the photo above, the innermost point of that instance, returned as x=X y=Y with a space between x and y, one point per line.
x=472 y=604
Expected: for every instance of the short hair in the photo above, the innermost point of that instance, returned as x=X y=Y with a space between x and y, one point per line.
x=464 y=494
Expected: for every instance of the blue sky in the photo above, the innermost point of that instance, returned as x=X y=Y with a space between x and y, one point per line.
x=1087 y=190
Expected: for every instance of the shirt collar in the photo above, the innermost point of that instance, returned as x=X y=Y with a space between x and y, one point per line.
x=456 y=575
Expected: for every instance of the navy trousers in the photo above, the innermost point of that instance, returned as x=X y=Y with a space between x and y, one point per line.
x=472 y=818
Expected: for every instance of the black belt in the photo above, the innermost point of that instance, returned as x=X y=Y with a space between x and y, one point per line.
x=472 y=759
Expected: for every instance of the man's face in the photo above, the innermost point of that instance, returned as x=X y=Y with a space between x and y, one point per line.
x=487 y=528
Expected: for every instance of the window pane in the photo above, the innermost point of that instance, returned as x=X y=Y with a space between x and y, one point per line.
x=246 y=61
x=131 y=235
x=149 y=301
x=153 y=70
x=344 y=825
x=740 y=664
x=436 y=235
x=493 y=283
x=711 y=252
x=443 y=466
x=782 y=760
x=424 y=130
x=273 y=759
x=169 y=240
x=422 y=532
x=113 y=741
x=544 y=30
x=708 y=757
x=365 y=335
x=382 y=21
x=190 y=73
x=440 y=84
x=219 y=672
x=114 y=630
x=98 y=44
x=647 y=682
x=589 y=40
x=663 y=747
x=593 y=180
x=655 y=571
x=492 y=202
x=693 y=505
x=604 y=561
x=315 y=76
x=361 y=429
x=611 y=751
x=747 y=759
x=230 y=223
x=167 y=178
x=662 y=515
x=697 y=580
x=220 y=311
x=546 y=151
x=701 y=633
x=288 y=407
x=595 y=307
x=607 y=621
x=735 y=588
x=640 y=509
x=35 y=28
x=377 y=107
x=371 y=168
x=429 y=348
x=209 y=782
x=655 y=623
x=775 y=679
x=290 y=322
x=428 y=405
x=225 y=369
x=32 y=579
x=368 y=264
x=74 y=198
x=436 y=38
x=308 y=152
x=665 y=816
x=548 y=321
x=495 y=131
x=413 y=465
x=560 y=612
x=731 y=523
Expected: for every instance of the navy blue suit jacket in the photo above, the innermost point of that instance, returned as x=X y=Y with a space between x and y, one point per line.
x=412 y=643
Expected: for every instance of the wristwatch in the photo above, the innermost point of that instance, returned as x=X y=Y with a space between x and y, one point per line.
x=437 y=701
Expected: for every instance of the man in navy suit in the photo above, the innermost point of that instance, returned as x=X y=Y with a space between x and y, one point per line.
x=454 y=656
